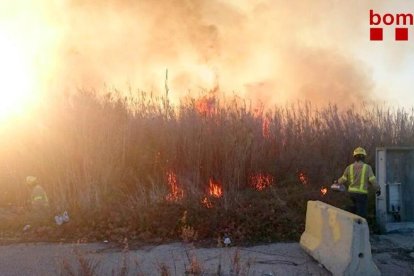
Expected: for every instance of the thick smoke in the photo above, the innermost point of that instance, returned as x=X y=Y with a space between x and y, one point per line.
x=272 y=51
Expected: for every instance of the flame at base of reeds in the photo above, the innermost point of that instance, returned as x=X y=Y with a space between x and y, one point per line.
x=215 y=190
x=261 y=181
x=176 y=193
x=303 y=178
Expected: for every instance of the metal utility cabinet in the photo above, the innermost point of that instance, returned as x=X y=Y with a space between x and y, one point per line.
x=395 y=175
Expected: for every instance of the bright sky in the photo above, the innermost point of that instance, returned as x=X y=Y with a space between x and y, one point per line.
x=271 y=50
x=391 y=62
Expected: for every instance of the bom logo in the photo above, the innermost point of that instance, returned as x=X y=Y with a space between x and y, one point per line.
x=399 y=21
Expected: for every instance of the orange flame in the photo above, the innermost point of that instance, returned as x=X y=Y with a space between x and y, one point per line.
x=206 y=105
x=261 y=181
x=176 y=192
x=215 y=189
x=324 y=191
x=258 y=113
x=303 y=178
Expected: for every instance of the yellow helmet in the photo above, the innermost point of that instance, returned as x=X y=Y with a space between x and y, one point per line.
x=31 y=179
x=360 y=151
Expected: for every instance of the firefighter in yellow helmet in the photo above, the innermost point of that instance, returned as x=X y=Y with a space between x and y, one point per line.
x=358 y=176
x=39 y=201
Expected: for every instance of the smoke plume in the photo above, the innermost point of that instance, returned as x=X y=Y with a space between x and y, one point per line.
x=271 y=51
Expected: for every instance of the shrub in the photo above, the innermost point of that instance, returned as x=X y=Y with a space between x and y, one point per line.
x=110 y=161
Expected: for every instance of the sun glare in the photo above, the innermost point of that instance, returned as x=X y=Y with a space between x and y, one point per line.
x=15 y=78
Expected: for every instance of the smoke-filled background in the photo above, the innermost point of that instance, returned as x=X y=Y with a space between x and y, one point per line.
x=269 y=51
x=98 y=154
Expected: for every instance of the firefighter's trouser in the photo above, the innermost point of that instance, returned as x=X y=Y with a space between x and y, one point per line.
x=360 y=204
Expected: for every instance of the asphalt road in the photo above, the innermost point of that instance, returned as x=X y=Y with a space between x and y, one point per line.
x=175 y=258
x=391 y=253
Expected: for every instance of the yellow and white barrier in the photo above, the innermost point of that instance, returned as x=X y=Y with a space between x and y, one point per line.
x=338 y=240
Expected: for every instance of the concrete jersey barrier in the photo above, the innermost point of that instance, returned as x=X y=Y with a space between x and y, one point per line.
x=337 y=239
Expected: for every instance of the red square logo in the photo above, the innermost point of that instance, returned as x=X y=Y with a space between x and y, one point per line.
x=401 y=34
x=375 y=34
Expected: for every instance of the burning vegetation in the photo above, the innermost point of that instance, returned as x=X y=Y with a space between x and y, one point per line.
x=261 y=181
x=207 y=203
x=95 y=142
x=96 y=153
x=176 y=193
x=215 y=188
x=303 y=178
x=206 y=105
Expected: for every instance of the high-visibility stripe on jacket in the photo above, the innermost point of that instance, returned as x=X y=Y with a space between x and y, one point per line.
x=39 y=196
x=358 y=175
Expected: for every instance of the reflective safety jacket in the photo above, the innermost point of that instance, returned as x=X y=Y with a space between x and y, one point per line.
x=39 y=197
x=358 y=175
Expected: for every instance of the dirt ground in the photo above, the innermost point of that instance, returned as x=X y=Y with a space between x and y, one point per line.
x=393 y=254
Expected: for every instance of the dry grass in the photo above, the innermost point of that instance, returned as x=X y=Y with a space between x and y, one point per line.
x=106 y=159
x=83 y=266
x=89 y=266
